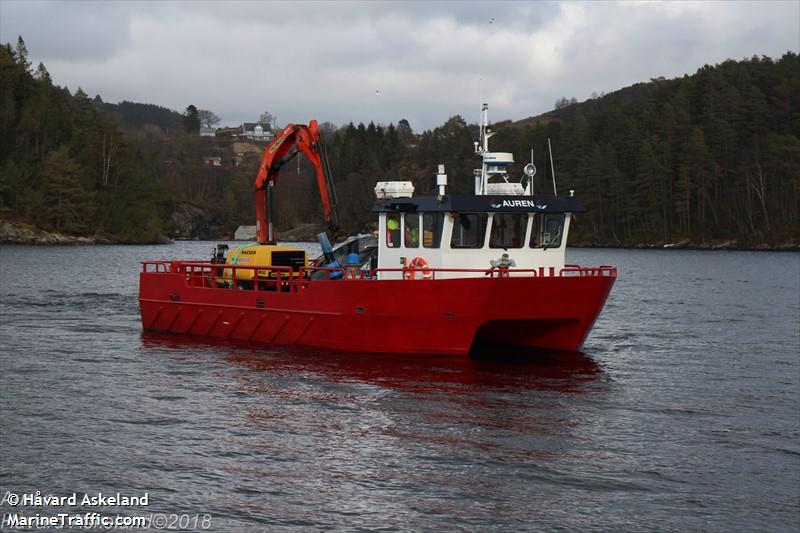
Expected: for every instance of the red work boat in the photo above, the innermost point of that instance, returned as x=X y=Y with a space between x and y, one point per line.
x=444 y=274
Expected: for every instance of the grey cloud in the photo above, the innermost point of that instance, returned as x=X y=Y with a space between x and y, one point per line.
x=67 y=30
x=427 y=61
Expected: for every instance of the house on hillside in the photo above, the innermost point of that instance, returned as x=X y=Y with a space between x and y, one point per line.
x=257 y=131
x=208 y=132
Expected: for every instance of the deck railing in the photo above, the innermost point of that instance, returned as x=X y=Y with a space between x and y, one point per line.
x=289 y=279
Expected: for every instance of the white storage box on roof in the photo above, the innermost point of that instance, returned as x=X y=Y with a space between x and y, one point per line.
x=385 y=190
x=508 y=189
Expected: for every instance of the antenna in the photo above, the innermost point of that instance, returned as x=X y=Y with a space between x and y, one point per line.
x=480 y=95
x=552 y=169
x=534 y=169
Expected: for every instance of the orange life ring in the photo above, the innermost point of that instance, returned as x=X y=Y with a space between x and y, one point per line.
x=418 y=264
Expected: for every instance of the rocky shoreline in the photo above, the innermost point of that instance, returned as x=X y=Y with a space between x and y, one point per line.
x=24 y=233
x=308 y=233
x=731 y=245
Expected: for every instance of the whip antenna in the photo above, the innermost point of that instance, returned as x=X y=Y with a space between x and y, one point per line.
x=552 y=169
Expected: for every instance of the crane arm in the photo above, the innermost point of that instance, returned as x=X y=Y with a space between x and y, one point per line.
x=292 y=140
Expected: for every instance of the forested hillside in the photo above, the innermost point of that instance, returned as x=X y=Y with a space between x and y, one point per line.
x=702 y=159
x=131 y=116
x=65 y=168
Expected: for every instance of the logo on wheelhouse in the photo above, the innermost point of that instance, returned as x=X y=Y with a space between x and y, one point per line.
x=516 y=203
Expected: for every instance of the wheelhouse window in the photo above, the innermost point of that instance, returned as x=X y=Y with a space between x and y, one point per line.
x=393 y=230
x=508 y=230
x=411 y=233
x=547 y=231
x=432 y=229
x=469 y=230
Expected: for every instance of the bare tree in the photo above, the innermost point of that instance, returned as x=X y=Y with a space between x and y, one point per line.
x=207 y=118
x=268 y=118
x=564 y=102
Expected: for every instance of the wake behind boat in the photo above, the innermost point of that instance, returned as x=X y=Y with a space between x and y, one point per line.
x=444 y=274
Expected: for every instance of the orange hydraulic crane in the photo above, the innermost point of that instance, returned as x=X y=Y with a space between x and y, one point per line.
x=292 y=140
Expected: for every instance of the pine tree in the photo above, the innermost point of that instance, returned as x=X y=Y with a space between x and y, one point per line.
x=651 y=175
x=21 y=54
x=41 y=74
x=191 y=120
x=67 y=204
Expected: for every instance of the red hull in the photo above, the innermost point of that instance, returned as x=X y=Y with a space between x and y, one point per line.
x=439 y=316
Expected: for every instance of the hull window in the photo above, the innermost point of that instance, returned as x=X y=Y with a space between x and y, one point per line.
x=393 y=230
x=411 y=233
x=469 y=230
x=508 y=230
x=547 y=230
x=432 y=229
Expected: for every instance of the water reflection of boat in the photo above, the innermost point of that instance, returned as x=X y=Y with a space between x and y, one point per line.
x=567 y=372
x=334 y=407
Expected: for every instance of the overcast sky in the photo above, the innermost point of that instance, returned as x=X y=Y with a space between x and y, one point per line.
x=341 y=61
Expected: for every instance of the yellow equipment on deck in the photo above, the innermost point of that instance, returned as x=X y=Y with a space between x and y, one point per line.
x=263 y=255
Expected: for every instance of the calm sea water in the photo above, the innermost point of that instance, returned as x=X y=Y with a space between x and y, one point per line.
x=682 y=414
